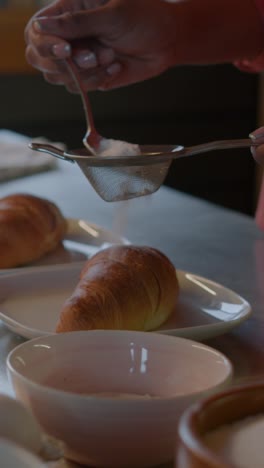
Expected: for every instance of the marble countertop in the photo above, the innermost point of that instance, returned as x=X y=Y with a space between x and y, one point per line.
x=198 y=237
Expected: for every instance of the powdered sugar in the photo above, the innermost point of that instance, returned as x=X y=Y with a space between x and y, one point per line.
x=109 y=147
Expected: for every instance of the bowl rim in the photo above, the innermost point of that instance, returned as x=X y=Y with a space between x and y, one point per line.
x=220 y=384
x=187 y=430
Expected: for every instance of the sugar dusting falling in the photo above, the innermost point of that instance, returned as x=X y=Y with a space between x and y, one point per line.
x=110 y=147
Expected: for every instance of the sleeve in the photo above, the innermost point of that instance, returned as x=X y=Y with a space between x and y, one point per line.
x=256 y=65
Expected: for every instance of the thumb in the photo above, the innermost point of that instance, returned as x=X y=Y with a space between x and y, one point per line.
x=257 y=136
x=59 y=7
x=51 y=10
x=257 y=148
x=77 y=24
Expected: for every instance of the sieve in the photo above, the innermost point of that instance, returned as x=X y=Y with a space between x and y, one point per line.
x=117 y=178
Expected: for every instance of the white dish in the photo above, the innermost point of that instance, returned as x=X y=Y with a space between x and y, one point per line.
x=60 y=376
x=30 y=302
x=82 y=240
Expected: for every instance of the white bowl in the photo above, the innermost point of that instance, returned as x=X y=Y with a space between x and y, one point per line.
x=58 y=375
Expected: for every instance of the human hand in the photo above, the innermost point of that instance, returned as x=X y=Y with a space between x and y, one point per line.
x=119 y=42
x=257 y=138
x=114 y=42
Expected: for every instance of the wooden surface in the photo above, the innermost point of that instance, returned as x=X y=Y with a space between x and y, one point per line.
x=12 y=25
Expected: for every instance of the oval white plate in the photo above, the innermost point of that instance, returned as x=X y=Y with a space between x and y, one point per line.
x=82 y=240
x=30 y=302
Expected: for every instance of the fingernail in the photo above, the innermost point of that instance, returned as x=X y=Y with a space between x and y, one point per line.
x=61 y=50
x=253 y=137
x=86 y=60
x=114 y=69
x=257 y=134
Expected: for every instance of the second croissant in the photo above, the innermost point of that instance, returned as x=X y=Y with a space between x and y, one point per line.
x=122 y=288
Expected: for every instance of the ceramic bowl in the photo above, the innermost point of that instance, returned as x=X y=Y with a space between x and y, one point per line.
x=73 y=382
x=220 y=416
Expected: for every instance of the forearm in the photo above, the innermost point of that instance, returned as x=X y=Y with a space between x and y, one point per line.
x=215 y=31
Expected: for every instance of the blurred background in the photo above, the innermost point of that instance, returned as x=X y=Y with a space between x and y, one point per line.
x=186 y=105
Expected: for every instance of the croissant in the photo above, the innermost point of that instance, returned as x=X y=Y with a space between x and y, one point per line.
x=123 y=288
x=30 y=227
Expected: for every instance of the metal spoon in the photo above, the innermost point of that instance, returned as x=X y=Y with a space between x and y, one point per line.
x=91 y=139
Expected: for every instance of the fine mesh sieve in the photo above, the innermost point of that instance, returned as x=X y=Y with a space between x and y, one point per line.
x=124 y=183
x=117 y=178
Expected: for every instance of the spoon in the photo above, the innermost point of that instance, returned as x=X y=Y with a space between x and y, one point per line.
x=91 y=139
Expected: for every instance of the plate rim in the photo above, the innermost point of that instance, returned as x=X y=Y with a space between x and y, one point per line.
x=217 y=328
x=123 y=241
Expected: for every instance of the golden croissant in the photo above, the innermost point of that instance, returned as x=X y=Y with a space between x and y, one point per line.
x=123 y=288
x=30 y=227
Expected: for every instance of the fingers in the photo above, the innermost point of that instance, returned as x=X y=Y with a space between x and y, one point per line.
x=45 y=65
x=47 y=52
x=59 y=7
x=97 y=65
x=91 y=83
x=55 y=9
x=54 y=45
x=76 y=24
x=94 y=79
x=257 y=138
x=48 y=46
x=42 y=46
x=86 y=57
x=93 y=55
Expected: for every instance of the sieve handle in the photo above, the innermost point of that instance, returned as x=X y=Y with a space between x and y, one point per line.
x=50 y=149
x=215 y=145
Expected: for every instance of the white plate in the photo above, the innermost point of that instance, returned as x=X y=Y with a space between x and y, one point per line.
x=82 y=240
x=30 y=302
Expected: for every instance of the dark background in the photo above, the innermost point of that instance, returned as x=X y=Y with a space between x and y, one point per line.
x=186 y=105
